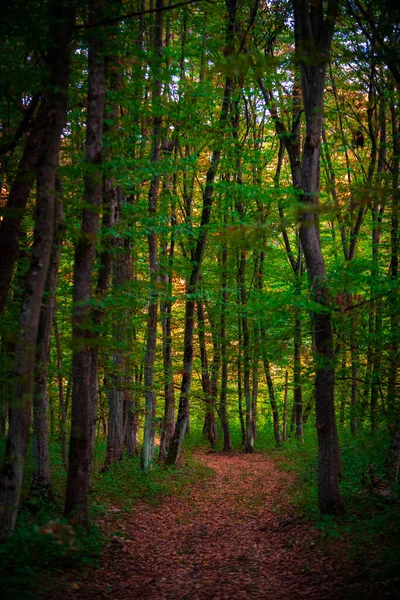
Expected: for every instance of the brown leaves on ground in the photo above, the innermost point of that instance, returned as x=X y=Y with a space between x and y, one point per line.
x=234 y=537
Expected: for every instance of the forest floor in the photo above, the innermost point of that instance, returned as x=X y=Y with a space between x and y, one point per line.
x=234 y=536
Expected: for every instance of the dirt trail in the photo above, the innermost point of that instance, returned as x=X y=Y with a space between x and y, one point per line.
x=234 y=537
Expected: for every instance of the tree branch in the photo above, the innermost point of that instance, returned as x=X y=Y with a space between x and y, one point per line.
x=139 y=14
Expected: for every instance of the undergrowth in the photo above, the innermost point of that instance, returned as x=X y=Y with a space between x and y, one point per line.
x=370 y=529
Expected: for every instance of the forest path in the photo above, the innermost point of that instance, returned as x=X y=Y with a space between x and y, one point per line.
x=232 y=537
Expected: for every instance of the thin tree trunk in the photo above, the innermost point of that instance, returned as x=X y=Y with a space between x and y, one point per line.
x=169 y=388
x=209 y=424
x=239 y=380
x=183 y=410
x=62 y=398
x=285 y=399
x=149 y=361
x=392 y=403
x=255 y=376
x=297 y=392
x=223 y=397
x=118 y=382
x=41 y=477
x=271 y=390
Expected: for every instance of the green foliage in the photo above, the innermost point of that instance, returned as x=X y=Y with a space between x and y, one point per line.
x=42 y=546
x=125 y=483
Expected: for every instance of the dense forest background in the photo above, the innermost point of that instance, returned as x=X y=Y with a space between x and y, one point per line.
x=199 y=240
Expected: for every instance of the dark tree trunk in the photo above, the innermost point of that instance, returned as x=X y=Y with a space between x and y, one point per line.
x=82 y=425
x=183 y=410
x=41 y=478
x=209 y=424
x=58 y=59
x=297 y=392
x=149 y=361
x=264 y=353
x=223 y=397
x=119 y=383
x=240 y=382
x=166 y=312
x=313 y=34
x=18 y=197
x=285 y=399
x=271 y=390
x=249 y=441
x=392 y=401
x=62 y=398
x=255 y=376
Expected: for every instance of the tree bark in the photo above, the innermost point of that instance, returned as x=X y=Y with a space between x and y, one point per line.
x=183 y=410
x=209 y=424
x=166 y=311
x=58 y=59
x=41 y=477
x=313 y=35
x=62 y=398
x=149 y=361
x=82 y=425
x=16 y=203
x=119 y=383
x=223 y=397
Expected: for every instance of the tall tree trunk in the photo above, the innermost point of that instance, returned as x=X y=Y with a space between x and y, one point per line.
x=41 y=477
x=313 y=35
x=58 y=60
x=149 y=361
x=271 y=390
x=249 y=441
x=209 y=425
x=62 y=398
x=183 y=410
x=392 y=401
x=119 y=383
x=255 y=376
x=82 y=425
x=223 y=397
x=285 y=399
x=240 y=380
x=297 y=392
x=166 y=311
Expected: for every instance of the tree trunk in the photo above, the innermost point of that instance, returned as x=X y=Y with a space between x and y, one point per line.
x=119 y=383
x=149 y=361
x=18 y=197
x=297 y=392
x=82 y=425
x=392 y=402
x=313 y=34
x=240 y=381
x=271 y=391
x=41 y=478
x=183 y=410
x=223 y=397
x=62 y=399
x=285 y=399
x=209 y=424
x=249 y=440
x=169 y=388
x=58 y=60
